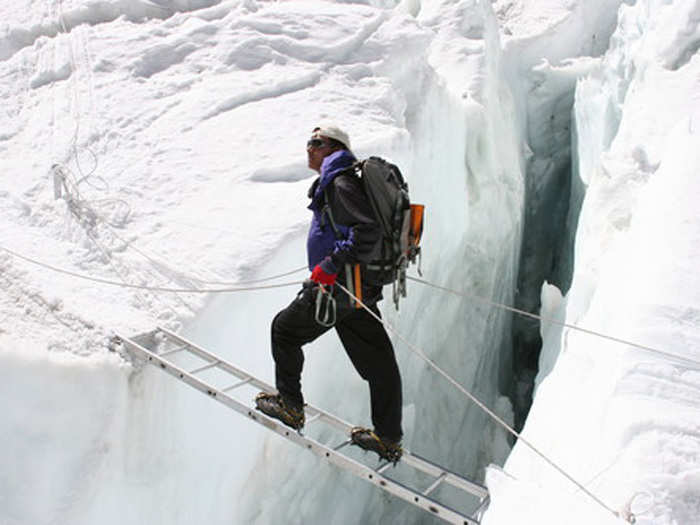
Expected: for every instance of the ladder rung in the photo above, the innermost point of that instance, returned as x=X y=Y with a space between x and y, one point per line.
x=343 y=444
x=236 y=385
x=148 y=350
x=452 y=479
x=314 y=418
x=173 y=351
x=483 y=504
x=435 y=483
x=203 y=368
x=383 y=467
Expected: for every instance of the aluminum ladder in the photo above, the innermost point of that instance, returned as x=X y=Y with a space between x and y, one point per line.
x=160 y=348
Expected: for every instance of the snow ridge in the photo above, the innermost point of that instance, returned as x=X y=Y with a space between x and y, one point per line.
x=93 y=14
x=271 y=90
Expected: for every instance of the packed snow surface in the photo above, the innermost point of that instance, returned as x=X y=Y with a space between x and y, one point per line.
x=153 y=144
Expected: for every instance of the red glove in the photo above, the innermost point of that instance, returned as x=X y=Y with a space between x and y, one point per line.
x=321 y=277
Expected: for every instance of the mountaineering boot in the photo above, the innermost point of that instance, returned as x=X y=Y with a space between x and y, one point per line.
x=274 y=406
x=368 y=440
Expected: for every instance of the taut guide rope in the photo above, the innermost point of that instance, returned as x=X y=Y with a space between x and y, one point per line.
x=630 y=518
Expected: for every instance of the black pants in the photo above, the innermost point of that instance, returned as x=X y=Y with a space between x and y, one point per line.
x=365 y=341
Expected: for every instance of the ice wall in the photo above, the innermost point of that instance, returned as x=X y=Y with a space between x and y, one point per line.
x=628 y=431
x=57 y=442
x=462 y=160
x=543 y=58
x=141 y=107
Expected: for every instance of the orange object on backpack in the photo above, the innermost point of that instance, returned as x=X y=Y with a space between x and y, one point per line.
x=358 y=286
x=416 y=229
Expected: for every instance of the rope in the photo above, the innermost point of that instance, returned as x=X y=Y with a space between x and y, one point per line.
x=159 y=263
x=108 y=256
x=150 y=288
x=186 y=277
x=89 y=219
x=78 y=206
x=74 y=69
x=481 y=405
x=557 y=322
x=254 y=281
x=627 y=515
x=84 y=212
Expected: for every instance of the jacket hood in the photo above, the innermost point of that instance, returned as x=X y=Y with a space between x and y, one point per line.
x=332 y=166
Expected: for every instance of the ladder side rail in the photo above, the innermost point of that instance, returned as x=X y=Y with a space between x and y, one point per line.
x=393 y=487
x=408 y=458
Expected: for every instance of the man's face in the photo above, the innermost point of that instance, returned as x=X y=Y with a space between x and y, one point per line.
x=317 y=148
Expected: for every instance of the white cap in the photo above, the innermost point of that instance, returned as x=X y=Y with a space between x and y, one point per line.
x=332 y=132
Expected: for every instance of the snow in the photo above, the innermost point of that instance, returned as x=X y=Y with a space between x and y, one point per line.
x=636 y=435
x=176 y=130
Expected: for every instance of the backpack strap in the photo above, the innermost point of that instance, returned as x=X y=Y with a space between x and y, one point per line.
x=327 y=214
x=352 y=275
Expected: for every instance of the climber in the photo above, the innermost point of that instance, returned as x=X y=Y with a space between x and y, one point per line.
x=343 y=232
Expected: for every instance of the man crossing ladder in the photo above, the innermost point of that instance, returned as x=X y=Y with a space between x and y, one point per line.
x=343 y=234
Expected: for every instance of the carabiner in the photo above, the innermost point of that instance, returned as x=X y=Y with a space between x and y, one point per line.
x=325 y=306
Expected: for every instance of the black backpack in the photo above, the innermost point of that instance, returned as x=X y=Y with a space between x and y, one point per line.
x=401 y=224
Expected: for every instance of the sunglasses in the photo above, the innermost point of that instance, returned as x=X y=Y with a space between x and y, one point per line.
x=316 y=143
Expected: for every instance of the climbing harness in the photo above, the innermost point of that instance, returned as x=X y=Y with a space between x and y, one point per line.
x=325 y=306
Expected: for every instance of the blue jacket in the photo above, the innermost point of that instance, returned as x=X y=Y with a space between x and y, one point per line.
x=359 y=233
